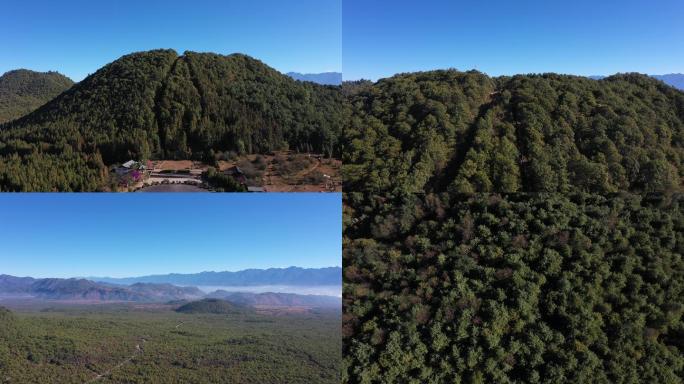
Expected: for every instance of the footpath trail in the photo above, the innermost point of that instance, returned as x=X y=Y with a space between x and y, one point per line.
x=302 y=173
x=138 y=350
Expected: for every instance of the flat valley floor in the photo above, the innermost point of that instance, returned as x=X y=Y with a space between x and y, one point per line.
x=139 y=343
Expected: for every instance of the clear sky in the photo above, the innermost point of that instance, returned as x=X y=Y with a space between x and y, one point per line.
x=120 y=235
x=583 y=37
x=76 y=37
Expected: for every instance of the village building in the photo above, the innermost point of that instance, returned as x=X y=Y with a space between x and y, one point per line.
x=130 y=172
x=129 y=166
x=236 y=173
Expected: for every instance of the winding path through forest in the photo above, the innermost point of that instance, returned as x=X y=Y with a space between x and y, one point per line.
x=138 y=350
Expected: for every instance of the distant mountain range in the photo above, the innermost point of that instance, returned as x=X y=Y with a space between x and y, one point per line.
x=294 y=276
x=325 y=78
x=82 y=289
x=88 y=290
x=674 y=79
x=23 y=91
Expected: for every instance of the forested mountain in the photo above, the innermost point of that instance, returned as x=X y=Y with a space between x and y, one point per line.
x=324 y=78
x=158 y=104
x=466 y=132
x=22 y=91
x=295 y=276
x=215 y=306
x=525 y=229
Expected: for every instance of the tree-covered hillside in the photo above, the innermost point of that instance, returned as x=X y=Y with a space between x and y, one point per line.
x=158 y=104
x=22 y=91
x=215 y=306
x=525 y=229
x=466 y=132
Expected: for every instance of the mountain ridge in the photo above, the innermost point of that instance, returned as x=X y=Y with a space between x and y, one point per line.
x=79 y=289
x=248 y=277
x=465 y=132
x=83 y=289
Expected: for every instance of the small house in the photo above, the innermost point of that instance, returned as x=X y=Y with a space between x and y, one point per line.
x=236 y=173
x=132 y=164
x=129 y=164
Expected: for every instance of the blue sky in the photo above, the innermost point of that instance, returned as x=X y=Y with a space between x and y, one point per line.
x=584 y=37
x=76 y=37
x=119 y=235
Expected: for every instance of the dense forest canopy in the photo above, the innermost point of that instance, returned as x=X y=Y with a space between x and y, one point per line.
x=466 y=132
x=540 y=288
x=157 y=104
x=121 y=343
x=22 y=91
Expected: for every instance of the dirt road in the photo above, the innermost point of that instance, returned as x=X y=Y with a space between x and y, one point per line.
x=138 y=350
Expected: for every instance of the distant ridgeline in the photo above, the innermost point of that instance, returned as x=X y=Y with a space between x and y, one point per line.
x=674 y=79
x=292 y=276
x=466 y=132
x=96 y=291
x=82 y=289
x=325 y=78
x=158 y=104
